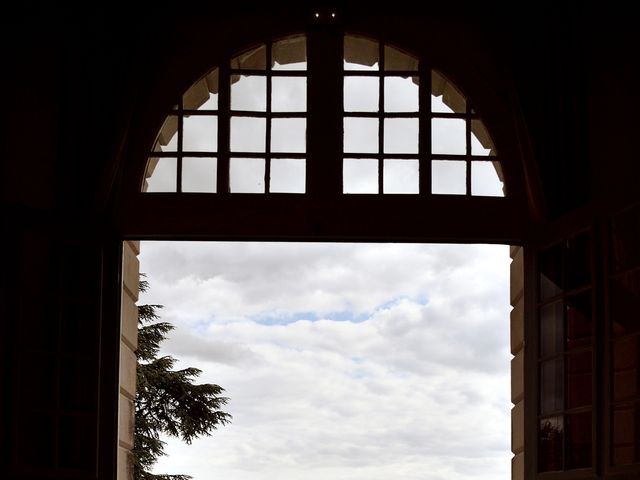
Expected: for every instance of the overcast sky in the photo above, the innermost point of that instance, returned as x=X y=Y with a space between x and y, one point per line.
x=342 y=361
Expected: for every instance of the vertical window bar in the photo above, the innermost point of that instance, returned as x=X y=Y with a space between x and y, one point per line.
x=381 y=117
x=224 y=130
x=180 y=143
x=468 y=146
x=424 y=128
x=267 y=143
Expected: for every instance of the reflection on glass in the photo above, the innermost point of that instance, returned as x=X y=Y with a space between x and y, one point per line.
x=550 y=265
x=578 y=441
x=401 y=135
x=254 y=59
x=550 y=442
x=288 y=94
x=579 y=379
x=626 y=368
x=481 y=143
x=360 y=175
x=202 y=95
x=551 y=386
x=579 y=261
x=400 y=95
x=361 y=94
x=625 y=303
x=161 y=175
x=551 y=329
x=360 y=135
x=248 y=134
x=445 y=97
x=579 y=321
x=287 y=175
x=360 y=53
x=200 y=133
x=401 y=176
x=395 y=59
x=449 y=177
x=289 y=53
x=448 y=136
x=246 y=175
x=626 y=434
x=485 y=181
x=167 y=140
x=288 y=135
x=249 y=93
x=199 y=174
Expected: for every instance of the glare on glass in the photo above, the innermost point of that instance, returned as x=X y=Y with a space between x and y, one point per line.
x=401 y=135
x=361 y=94
x=167 y=140
x=395 y=59
x=449 y=177
x=287 y=175
x=199 y=174
x=288 y=94
x=485 y=181
x=361 y=135
x=290 y=53
x=400 y=95
x=200 y=133
x=360 y=175
x=445 y=97
x=246 y=175
x=481 y=143
x=448 y=135
x=254 y=59
x=248 y=134
x=401 y=176
x=361 y=53
x=249 y=93
x=161 y=174
x=202 y=95
x=288 y=135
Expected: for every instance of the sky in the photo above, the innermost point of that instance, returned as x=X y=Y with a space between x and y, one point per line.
x=341 y=361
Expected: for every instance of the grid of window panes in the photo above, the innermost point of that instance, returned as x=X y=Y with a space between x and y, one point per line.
x=624 y=334
x=565 y=367
x=246 y=120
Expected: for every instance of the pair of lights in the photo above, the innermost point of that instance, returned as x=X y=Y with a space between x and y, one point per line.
x=332 y=14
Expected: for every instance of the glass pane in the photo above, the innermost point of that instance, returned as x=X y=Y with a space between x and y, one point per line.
x=551 y=329
x=167 y=140
x=626 y=434
x=360 y=175
x=626 y=368
x=550 y=265
x=445 y=97
x=578 y=441
x=550 y=440
x=579 y=321
x=361 y=94
x=246 y=175
x=248 y=134
x=161 y=175
x=202 y=95
x=249 y=93
x=625 y=238
x=395 y=59
x=200 y=133
x=289 y=135
x=287 y=175
x=579 y=379
x=290 y=53
x=400 y=94
x=449 y=177
x=481 y=143
x=199 y=174
x=625 y=304
x=401 y=176
x=401 y=135
x=361 y=135
x=289 y=94
x=254 y=59
x=448 y=135
x=485 y=181
x=360 y=53
x=551 y=386
x=578 y=261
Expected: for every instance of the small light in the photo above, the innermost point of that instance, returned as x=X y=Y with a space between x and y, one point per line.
x=333 y=14
x=317 y=15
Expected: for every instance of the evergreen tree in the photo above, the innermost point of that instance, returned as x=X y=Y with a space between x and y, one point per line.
x=167 y=401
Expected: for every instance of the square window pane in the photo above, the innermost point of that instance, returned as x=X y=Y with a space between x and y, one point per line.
x=254 y=59
x=625 y=304
x=289 y=135
x=360 y=53
x=161 y=175
x=199 y=174
x=287 y=175
x=167 y=140
x=401 y=135
x=550 y=443
x=578 y=321
x=361 y=94
x=485 y=181
x=579 y=261
x=246 y=175
x=579 y=379
x=578 y=441
x=550 y=266
x=481 y=143
x=625 y=237
x=361 y=135
x=626 y=368
x=448 y=135
x=248 y=134
x=552 y=386
x=202 y=95
x=401 y=176
x=200 y=133
x=289 y=94
x=445 y=97
x=290 y=53
x=626 y=434
x=395 y=59
x=449 y=177
x=360 y=175
x=551 y=329
x=400 y=94
x=249 y=93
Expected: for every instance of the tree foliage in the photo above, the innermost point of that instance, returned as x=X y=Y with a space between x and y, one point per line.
x=167 y=401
